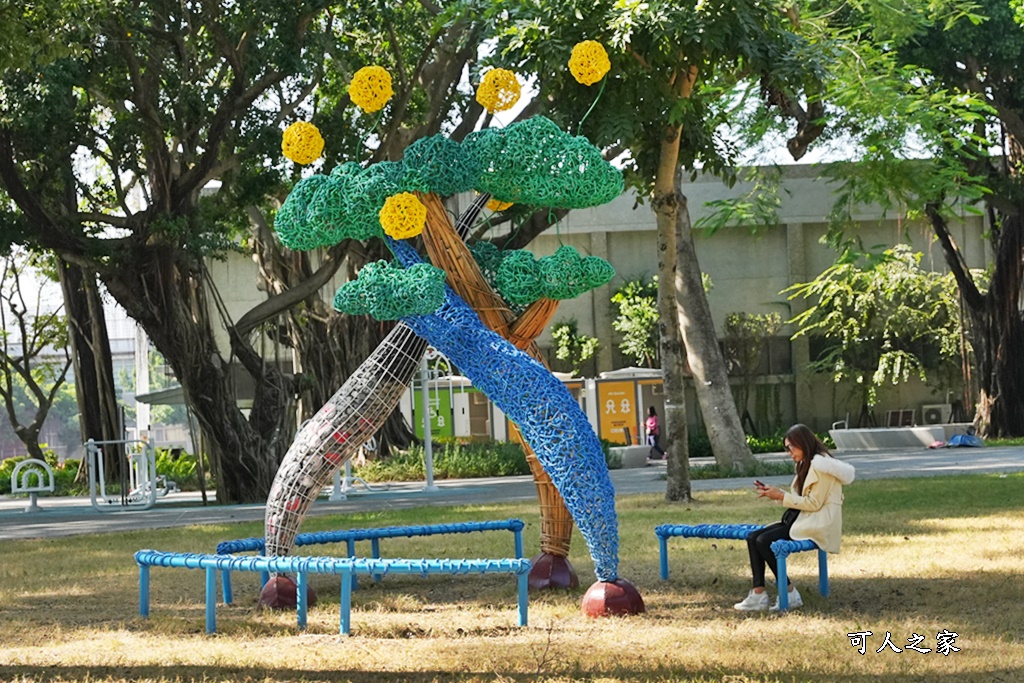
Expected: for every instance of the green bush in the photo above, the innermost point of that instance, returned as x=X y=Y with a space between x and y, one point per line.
x=613 y=460
x=6 y=469
x=64 y=479
x=183 y=470
x=63 y=475
x=453 y=459
x=758 y=469
x=700 y=445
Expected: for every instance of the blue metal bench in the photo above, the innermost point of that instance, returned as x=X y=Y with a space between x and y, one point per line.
x=740 y=532
x=347 y=568
x=350 y=536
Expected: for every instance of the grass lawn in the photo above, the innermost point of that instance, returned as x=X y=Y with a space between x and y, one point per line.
x=919 y=556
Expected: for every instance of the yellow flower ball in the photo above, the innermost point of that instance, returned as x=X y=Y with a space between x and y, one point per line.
x=370 y=88
x=498 y=205
x=589 y=62
x=403 y=216
x=498 y=91
x=302 y=143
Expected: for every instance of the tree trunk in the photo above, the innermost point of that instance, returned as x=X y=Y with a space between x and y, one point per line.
x=673 y=363
x=29 y=436
x=328 y=347
x=665 y=204
x=168 y=298
x=93 y=367
x=997 y=334
x=714 y=395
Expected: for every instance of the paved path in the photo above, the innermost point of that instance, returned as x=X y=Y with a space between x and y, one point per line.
x=72 y=516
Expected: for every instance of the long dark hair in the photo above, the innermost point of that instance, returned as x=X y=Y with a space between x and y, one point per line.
x=807 y=441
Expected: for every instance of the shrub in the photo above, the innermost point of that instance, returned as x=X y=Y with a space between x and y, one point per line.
x=613 y=460
x=758 y=469
x=6 y=469
x=183 y=469
x=453 y=459
x=700 y=445
x=64 y=474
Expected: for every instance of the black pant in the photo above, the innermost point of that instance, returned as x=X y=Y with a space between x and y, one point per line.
x=759 y=545
x=652 y=441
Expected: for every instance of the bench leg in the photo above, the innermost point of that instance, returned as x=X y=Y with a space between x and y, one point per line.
x=225 y=578
x=375 y=551
x=823 y=573
x=663 y=552
x=143 y=590
x=346 y=603
x=264 y=576
x=783 y=580
x=523 y=586
x=211 y=600
x=301 y=593
x=352 y=553
x=519 y=542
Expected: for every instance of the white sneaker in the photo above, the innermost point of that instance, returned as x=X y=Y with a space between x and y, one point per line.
x=794 y=600
x=754 y=602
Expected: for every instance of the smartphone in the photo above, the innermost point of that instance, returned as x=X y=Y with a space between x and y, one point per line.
x=759 y=484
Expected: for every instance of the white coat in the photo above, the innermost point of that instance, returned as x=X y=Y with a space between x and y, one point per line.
x=821 y=504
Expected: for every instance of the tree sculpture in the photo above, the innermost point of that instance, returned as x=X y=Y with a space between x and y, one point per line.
x=532 y=162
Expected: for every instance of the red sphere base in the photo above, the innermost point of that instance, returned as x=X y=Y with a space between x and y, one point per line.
x=281 y=593
x=607 y=598
x=552 y=571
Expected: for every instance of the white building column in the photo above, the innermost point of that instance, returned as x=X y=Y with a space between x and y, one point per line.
x=600 y=300
x=142 y=425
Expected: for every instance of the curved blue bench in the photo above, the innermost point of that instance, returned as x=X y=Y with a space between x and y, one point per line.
x=346 y=567
x=373 y=534
x=739 y=532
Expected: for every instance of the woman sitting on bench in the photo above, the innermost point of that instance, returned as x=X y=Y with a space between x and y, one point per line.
x=814 y=511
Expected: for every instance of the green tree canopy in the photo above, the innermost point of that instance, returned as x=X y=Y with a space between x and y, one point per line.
x=882 y=320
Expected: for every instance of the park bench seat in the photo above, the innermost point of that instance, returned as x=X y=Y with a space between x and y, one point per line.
x=347 y=568
x=739 y=532
x=373 y=534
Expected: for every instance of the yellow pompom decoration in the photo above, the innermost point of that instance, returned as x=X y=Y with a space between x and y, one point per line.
x=370 y=88
x=498 y=91
x=498 y=205
x=302 y=143
x=589 y=62
x=403 y=216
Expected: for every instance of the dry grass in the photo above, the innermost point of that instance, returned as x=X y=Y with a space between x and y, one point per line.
x=919 y=556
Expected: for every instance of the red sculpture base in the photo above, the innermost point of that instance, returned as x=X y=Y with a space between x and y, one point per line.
x=281 y=593
x=552 y=571
x=608 y=598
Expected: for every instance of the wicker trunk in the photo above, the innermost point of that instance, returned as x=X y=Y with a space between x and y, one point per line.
x=448 y=251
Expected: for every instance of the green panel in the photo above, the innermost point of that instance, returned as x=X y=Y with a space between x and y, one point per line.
x=441 y=422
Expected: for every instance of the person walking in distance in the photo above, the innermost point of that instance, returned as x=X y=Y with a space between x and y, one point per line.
x=653 y=434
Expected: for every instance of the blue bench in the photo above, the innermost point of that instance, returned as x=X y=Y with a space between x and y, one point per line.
x=739 y=532
x=347 y=568
x=350 y=536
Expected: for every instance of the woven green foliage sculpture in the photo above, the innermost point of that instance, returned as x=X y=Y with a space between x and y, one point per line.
x=323 y=210
x=563 y=275
x=387 y=291
x=535 y=162
x=367 y=192
x=440 y=165
x=488 y=257
x=291 y=223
